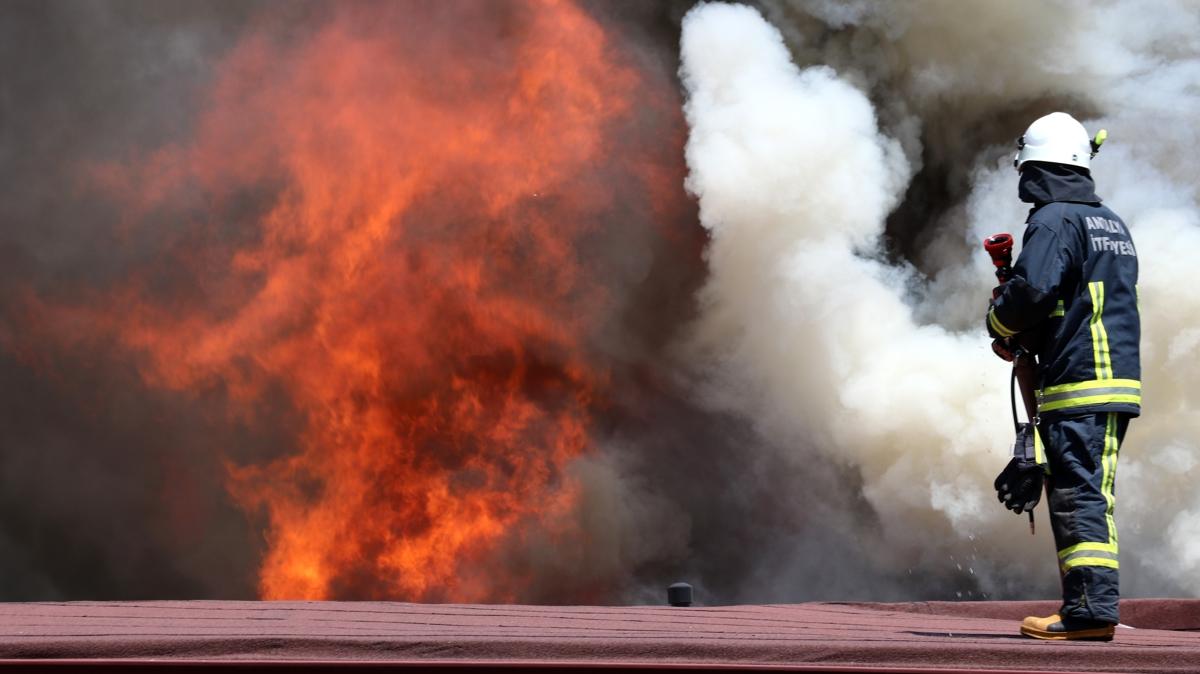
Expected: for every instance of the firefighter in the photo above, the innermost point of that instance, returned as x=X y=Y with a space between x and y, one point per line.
x=1073 y=298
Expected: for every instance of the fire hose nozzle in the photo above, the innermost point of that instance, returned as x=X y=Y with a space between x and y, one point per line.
x=999 y=247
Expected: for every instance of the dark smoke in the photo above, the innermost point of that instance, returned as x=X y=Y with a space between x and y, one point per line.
x=107 y=490
x=110 y=489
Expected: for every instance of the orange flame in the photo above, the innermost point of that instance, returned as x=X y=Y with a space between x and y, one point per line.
x=413 y=285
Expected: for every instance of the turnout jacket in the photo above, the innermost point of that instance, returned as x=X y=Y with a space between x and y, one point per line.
x=1074 y=292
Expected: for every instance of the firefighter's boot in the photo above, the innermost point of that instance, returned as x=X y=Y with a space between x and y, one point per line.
x=1058 y=628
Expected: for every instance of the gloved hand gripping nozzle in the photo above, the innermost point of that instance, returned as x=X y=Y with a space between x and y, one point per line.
x=1019 y=485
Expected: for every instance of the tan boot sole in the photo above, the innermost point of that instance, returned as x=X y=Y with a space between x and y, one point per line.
x=1097 y=634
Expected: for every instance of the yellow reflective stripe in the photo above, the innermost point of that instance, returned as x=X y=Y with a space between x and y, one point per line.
x=1086 y=558
x=1090 y=561
x=1039 y=452
x=1094 y=392
x=1059 y=311
x=1088 y=547
x=1095 y=336
x=1099 y=334
x=998 y=326
x=1095 y=383
x=1109 y=464
x=1131 y=398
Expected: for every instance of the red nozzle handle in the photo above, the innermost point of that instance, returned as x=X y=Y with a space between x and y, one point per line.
x=999 y=246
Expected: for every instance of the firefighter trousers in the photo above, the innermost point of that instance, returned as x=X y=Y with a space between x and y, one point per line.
x=1082 y=455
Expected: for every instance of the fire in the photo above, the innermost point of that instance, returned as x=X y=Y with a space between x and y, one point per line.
x=389 y=236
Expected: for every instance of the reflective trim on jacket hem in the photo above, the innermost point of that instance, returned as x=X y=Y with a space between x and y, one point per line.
x=1094 y=392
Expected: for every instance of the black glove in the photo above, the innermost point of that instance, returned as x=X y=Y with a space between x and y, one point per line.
x=1004 y=349
x=1019 y=485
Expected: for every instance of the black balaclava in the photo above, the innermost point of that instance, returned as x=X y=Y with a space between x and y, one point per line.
x=1044 y=182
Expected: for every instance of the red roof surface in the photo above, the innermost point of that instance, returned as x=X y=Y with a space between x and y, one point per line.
x=914 y=637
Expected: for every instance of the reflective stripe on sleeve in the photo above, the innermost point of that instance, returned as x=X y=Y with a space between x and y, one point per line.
x=998 y=326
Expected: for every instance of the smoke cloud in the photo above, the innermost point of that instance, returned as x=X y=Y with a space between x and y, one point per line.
x=847 y=174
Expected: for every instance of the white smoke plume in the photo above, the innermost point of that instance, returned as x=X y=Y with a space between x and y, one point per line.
x=847 y=161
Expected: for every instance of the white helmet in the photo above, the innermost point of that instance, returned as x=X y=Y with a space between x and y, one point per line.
x=1060 y=139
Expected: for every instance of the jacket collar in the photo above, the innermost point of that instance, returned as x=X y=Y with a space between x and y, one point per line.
x=1043 y=183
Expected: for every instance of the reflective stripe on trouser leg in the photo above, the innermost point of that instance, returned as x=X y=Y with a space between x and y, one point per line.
x=1082 y=455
